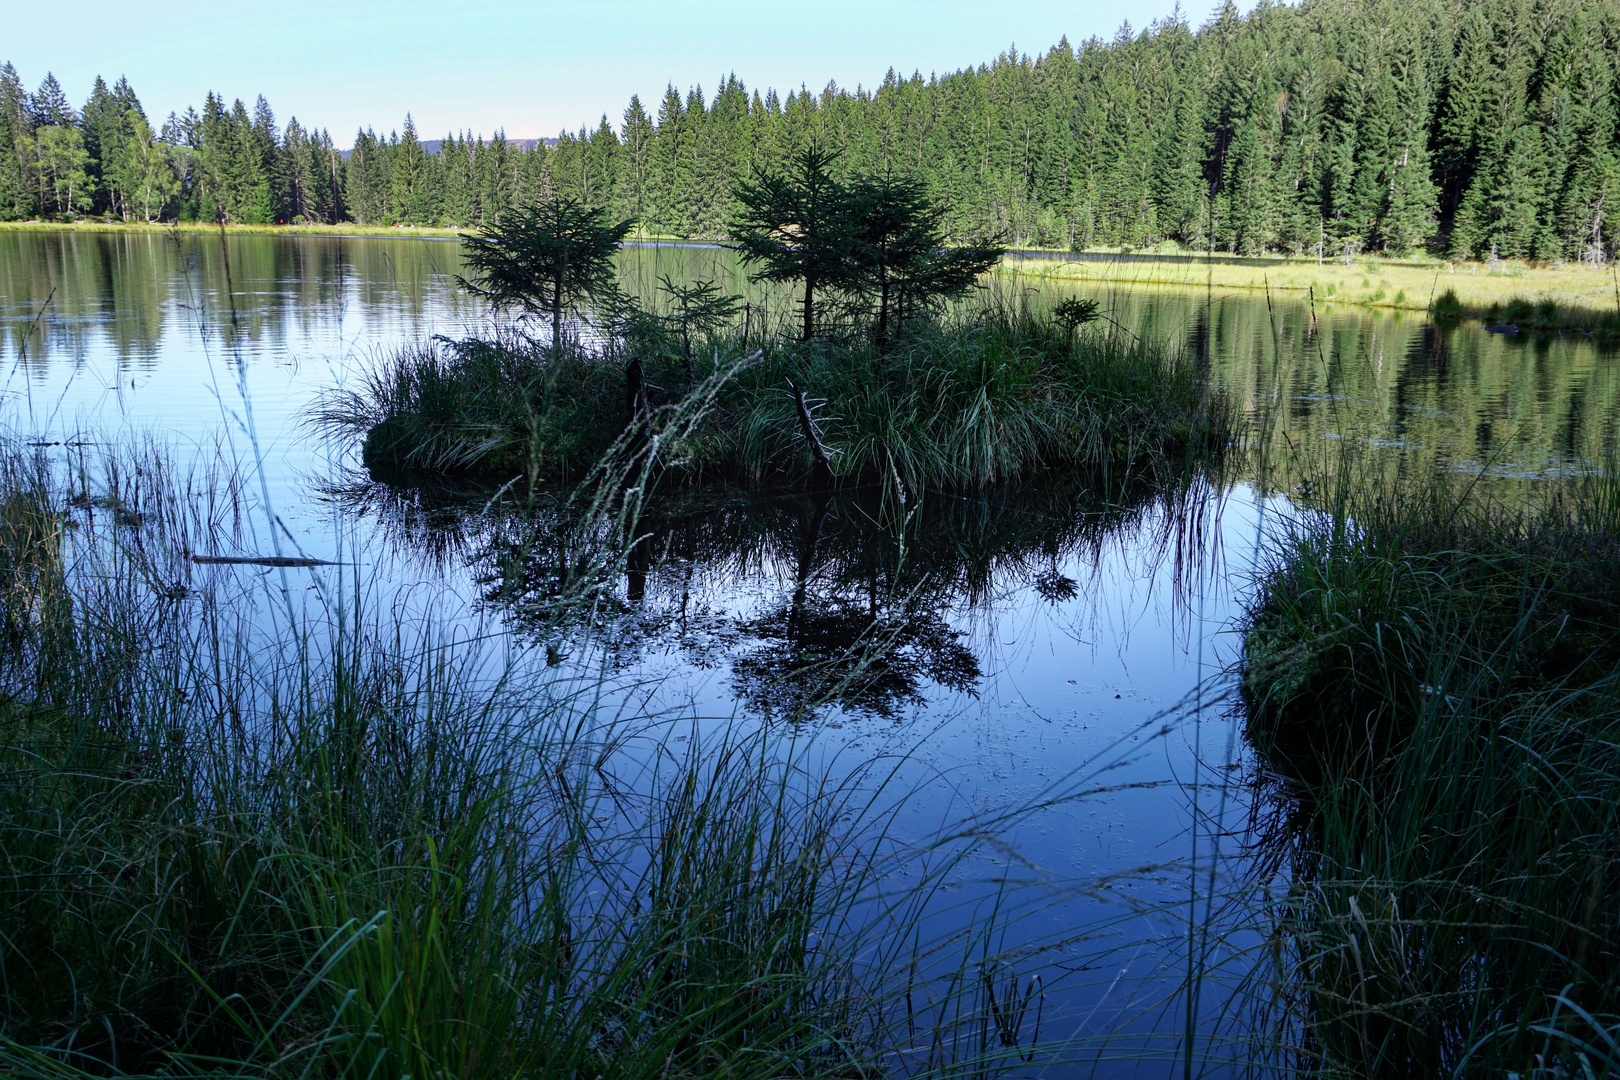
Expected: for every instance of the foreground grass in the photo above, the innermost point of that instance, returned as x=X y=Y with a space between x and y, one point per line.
x=1568 y=297
x=332 y=850
x=997 y=395
x=1439 y=682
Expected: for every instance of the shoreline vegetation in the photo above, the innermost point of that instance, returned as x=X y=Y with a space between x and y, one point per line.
x=1529 y=295
x=1436 y=679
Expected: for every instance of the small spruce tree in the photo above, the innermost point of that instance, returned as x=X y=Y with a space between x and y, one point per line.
x=795 y=226
x=546 y=259
x=899 y=256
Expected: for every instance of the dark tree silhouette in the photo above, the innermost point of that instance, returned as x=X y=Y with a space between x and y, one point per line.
x=546 y=259
x=899 y=255
x=795 y=226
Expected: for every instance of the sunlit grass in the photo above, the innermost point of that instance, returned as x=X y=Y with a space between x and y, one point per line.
x=1572 y=296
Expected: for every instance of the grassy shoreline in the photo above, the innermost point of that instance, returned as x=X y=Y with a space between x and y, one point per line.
x=1581 y=298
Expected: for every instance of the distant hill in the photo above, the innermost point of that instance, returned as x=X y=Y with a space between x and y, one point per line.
x=432 y=145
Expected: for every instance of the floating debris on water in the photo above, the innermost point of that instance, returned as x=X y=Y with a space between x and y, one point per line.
x=260 y=560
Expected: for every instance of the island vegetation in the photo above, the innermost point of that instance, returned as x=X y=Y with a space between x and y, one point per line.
x=922 y=388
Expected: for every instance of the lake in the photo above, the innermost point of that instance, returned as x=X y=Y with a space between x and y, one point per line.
x=1051 y=661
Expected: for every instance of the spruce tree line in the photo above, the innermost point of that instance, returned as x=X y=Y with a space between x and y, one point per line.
x=1331 y=127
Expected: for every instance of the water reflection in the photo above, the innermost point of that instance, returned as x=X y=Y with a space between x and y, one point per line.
x=1445 y=396
x=858 y=599
x=66 y=293
x=1027 y=634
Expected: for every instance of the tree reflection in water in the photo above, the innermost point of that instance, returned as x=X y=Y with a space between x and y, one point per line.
x=857 y=598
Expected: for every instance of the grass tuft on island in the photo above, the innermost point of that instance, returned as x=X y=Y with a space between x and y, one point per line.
x=994 y=394
x=1438 y=684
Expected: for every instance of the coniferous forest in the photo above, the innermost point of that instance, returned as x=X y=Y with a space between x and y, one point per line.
x=1467 y=128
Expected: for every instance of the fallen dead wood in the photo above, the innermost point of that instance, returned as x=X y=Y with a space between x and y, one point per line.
x=812 y=435
x=259 y=560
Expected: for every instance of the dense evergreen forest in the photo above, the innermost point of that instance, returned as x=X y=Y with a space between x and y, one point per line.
x=1467 y=127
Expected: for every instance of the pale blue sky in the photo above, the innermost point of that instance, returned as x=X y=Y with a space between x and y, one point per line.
x=532 y=68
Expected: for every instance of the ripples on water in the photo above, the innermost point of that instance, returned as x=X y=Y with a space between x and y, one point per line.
x=1035 y=641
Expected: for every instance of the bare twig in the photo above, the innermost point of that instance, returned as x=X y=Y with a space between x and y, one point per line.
x=812 y=434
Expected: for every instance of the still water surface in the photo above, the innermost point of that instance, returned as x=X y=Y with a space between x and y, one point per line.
x=1038 y=641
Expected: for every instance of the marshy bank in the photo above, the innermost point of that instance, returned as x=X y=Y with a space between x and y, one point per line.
x=1436 y=679
x=1555 y=297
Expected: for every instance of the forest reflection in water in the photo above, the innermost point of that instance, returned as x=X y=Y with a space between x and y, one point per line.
x=1439 y=394
x=1435 y=395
